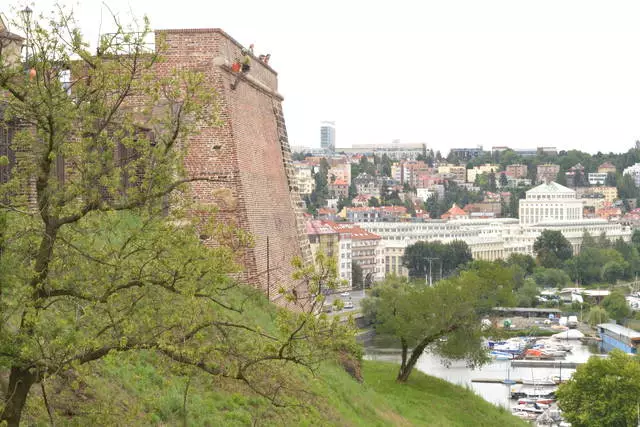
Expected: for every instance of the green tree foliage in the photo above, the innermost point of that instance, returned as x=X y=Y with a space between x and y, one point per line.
x=526 y=295
x=612 y=271
x=552 y=248
x=374 y=202
x=492 y=182
x=616 y=305
x=627 y=188
x=587 y=267
x=385 y=165
x=357 y=279
x=597 y=315
x=99 y=266
x=453 y=307
x=503 y=180
x=635 y=238
x=320 y=193
x=526 y=262
x=551 y=277
x=603 y=392
x=448 y=256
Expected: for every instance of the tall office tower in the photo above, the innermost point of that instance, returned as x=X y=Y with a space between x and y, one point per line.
x=328 y=136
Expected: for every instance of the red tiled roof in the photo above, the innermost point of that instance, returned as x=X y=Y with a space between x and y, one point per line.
x=340 y=182
x=356 y=232
x=316 y=227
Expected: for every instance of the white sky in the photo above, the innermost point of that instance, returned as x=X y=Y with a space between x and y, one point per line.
x=451 y=73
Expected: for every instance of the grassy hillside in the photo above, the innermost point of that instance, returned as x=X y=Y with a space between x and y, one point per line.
x=142 y=389
x=137 y=392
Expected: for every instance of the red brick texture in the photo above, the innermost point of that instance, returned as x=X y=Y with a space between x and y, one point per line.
x=249 y=153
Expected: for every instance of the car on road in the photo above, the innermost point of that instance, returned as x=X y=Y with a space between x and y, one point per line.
x=345 y=294
x=348 y=304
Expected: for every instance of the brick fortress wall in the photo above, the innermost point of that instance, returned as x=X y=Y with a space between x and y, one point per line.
x=249 y=153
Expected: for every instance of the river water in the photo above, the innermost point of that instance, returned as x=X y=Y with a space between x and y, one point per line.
x=458 y=373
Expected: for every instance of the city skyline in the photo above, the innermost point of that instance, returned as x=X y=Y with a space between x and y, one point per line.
x=453 y=74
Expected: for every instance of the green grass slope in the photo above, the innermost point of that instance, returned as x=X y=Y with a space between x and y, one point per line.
x=136 y=391
x=142 y=389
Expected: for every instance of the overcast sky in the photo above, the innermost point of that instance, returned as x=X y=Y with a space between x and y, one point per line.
x=450 y=73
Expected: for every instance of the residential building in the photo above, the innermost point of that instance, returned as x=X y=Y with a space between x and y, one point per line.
x=546 y=207
x=484 y=209
x=395 y=151
x=610 y=193
x=455 y=213
x=517 y=171
x=634 y=172
x=457 y=173
x=339 y=188
x=366 y=250
x=575 y=176
x=339 y=170
x=367 y=184
x=467 y=153
x=361 y=200
x=607 y=167
x=324 y=237
x=479 y=170
x=328 y=136
x=597 y=178
x=424 y=193
x=304 y=178
x=411 y=170
x=547 y=172
x=372 y=214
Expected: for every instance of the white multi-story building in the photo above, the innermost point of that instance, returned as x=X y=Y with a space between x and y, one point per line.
x=344 y=258
x=550 y=201
x=597 y=178
x=546 y=207
x=634 y=171
x=304 y=178
x=424 y=193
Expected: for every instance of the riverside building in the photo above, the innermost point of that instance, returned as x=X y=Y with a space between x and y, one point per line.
x=549 y=206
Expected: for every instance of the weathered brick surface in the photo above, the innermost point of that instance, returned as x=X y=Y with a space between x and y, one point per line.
x=249 y=152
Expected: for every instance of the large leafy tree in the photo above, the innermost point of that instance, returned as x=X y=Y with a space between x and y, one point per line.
x=616 y=306
x=552 y=248
x=445 y=257
x=419 y=316
x=91 y=261
x=603 y=392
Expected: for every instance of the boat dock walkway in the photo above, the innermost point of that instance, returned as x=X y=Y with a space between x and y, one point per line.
x=502 y=381
x=545 y=364
x=493 y=380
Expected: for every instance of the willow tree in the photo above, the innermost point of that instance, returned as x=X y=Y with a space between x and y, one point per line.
x=91 y=260
x=445 y=318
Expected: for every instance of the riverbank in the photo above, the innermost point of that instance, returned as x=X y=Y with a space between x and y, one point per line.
x=431 y=401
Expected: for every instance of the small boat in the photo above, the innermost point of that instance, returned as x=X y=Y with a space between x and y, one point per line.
x=500 y=355
x=529 y=401
x=530 y=408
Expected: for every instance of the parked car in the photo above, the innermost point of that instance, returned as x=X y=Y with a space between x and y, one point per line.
x=345 y=294
x=348 y=304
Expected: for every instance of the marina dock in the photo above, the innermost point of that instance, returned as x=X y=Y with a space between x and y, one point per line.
x=544 y=364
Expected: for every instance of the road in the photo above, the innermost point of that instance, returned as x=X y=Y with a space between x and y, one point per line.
x=355 y=297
